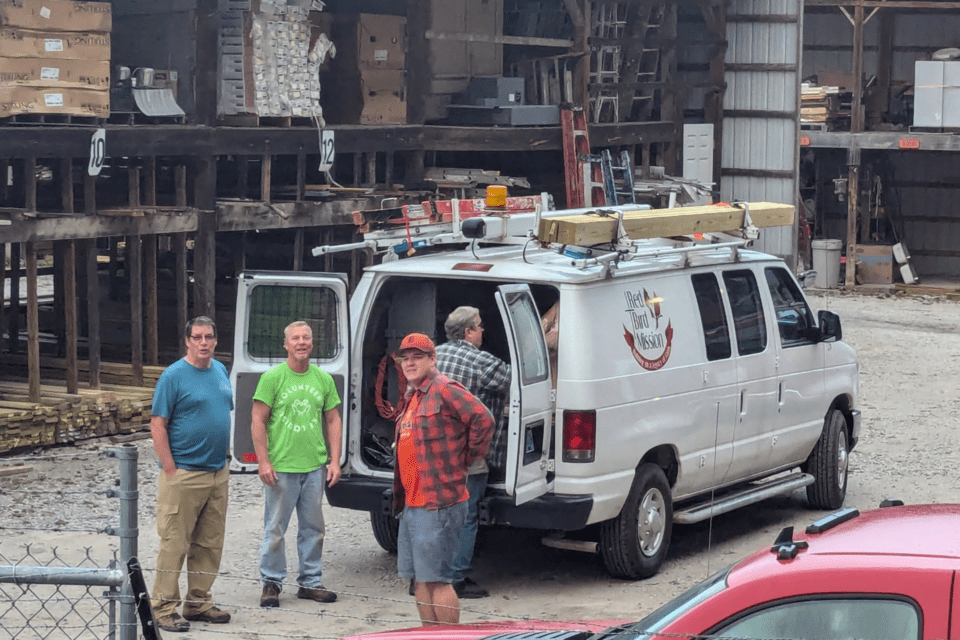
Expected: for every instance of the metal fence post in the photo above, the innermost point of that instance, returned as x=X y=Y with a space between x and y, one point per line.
x=128 y=532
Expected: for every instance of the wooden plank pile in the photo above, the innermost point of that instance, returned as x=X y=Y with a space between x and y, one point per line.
x=599 y=227
x=819 y=105
x=62 y=417
x=15 y=365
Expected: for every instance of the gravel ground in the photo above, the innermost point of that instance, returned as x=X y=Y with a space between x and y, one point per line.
x=909 y=353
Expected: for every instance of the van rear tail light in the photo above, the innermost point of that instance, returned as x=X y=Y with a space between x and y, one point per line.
x=249 y=457
x=579 y=436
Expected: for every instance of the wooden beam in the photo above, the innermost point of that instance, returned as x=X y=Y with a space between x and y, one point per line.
x=133 y=268
x=856 y=106
x=30 y=184
x=151 y=315
x=150 y=180
x=298 y=249
x=204 y=244
x=559 y=43
x=33 y=323
x=251 y=215
x=89 y=195
x=592 y=229
x=70 y=313
x=266 y=174
x=93 y=313
x=301 y=175
x=179 y=242
x=133 y=184
x=95 y=226
x=243 y=173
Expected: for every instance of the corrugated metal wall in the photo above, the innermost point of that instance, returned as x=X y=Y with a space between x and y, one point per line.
x=761 y=106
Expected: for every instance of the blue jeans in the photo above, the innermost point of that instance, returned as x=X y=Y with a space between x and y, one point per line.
x=476 y=485
x=303 y=491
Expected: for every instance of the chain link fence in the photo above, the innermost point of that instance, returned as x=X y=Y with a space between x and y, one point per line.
x=70 y=594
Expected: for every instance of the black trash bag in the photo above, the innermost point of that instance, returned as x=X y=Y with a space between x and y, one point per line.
x=378 y=450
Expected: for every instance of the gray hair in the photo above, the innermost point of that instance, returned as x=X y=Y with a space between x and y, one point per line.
x=199 y=321
x=293 y=325
x=459 y=320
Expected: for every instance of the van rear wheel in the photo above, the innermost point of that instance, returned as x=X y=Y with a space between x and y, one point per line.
x=634 y=544
x=828 y=463
x=386 y=529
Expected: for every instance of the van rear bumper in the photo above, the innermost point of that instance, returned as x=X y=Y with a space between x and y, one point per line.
x=563 y=512
x=550 y=511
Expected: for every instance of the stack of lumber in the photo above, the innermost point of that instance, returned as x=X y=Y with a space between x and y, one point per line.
x=15 y=365
x=62 y=417
x=819 y=105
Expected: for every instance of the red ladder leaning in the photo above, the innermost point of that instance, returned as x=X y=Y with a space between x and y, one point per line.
x=576 y=165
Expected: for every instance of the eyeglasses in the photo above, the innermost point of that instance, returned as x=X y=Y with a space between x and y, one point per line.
x=208 y=337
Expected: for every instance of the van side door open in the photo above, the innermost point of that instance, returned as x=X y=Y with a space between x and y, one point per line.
x=528 y=430
x=266 y=304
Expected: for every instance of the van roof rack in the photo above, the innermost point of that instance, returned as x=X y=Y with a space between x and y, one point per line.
x=589 y=236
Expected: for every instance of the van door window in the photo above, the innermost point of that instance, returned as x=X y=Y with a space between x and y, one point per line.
x=748 y=319
x=794 y=318
x=534 y=365
x=713 y=317
x=273 y=307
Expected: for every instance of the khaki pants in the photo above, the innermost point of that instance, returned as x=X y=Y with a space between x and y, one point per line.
x=191 y=519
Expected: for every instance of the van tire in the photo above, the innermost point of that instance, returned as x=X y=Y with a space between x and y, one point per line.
x=828 y=463
x=634 y=544
x=386 y=529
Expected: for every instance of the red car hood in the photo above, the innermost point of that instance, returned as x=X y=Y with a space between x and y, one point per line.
x=479 y=630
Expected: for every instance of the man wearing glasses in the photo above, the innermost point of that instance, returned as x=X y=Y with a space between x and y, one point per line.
x=191 y=431
x=488 y=378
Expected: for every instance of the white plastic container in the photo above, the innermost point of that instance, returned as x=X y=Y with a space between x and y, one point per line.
x=826 y=262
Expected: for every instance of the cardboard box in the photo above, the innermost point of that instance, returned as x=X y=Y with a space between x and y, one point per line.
x=76 y=102
x=78 y=74
x=60 y=45
x=364 y=41
x=373 y=97
x=56 y=15
x=874 y=263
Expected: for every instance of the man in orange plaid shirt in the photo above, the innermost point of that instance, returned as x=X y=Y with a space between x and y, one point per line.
x=442 y=430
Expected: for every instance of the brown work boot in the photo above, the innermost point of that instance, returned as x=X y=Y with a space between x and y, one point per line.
x=213 y=615
x=320 y=594
x=173 y=623
x=271 y=595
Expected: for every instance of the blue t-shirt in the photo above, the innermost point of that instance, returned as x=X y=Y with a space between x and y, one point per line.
x=196 y=403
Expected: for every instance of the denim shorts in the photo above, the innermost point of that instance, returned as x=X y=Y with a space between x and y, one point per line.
x=427 y=542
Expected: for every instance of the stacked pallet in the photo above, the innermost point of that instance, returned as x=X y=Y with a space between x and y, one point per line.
x=55 y=58
x=819 y=105
x=63 y=417
x=269 y=59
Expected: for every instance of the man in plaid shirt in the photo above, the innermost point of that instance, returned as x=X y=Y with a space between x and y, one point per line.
x=442 y=430
x=487 y=377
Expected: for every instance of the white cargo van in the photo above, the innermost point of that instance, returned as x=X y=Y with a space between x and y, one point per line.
x=691 y=378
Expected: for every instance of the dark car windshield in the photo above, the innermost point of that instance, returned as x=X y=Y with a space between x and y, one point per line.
x=669 y=612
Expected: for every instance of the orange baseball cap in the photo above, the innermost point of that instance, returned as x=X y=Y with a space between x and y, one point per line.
x=418 y=341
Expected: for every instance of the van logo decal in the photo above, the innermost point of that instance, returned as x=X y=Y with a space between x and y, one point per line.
x=643 y=310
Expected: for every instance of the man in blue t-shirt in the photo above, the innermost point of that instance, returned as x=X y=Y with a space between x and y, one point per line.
x=191 y=431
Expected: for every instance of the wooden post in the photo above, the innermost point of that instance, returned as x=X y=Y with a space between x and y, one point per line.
x=89 y=195
x=93 y=313
x=243 y=170
x=70 y=313
x=266 y=173
x=179 y=242
x=133 y=268
x=133 y=185
x=33 y=324
x=151 y=315
x=66 y=185
x=301 y=175
x=30 y=184
x=853 y=190
x=388 y=170
x=419 y=19
x=205 y=241
x=298 y=249
x=856 y=106
x=150 y=181
x=13 y=324
x=371 y=157
x=357 y=169
x=58 y=322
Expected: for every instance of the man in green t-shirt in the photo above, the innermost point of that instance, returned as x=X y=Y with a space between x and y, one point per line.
x=296 y=432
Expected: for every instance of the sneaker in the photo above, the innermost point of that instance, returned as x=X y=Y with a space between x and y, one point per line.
x=173 y=623
x=271 y=595
x=320 y=594
x=467 y=589
x=213 y=615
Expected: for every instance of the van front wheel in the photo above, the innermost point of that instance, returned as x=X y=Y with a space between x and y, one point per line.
x=828 y=464
x=386 y=529
x=634 y=544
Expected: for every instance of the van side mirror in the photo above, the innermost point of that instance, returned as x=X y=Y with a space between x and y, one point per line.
x=807 y=278
x=830 y=330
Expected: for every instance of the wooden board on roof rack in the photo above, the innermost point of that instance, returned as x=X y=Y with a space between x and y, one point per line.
x=591 y=228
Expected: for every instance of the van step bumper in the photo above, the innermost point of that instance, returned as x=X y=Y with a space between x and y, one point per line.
x=361 y=493
x=551 y=511
x=749 y=494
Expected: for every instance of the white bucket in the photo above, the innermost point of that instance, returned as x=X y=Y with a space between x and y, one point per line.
x=826 y=262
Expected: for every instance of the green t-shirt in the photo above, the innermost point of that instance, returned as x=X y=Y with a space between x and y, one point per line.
x=297 y=401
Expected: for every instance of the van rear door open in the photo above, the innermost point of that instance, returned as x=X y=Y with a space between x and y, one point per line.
x=531 y=406
x=266 y=304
